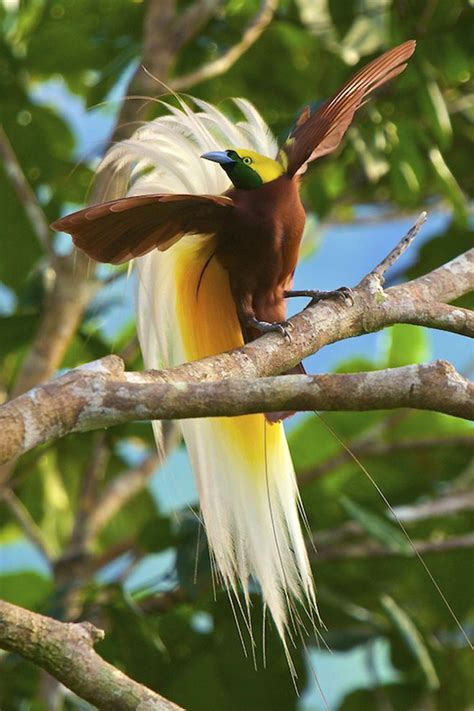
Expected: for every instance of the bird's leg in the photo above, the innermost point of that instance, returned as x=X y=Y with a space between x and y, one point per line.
x=283 y=327
x=248 y=318
x=344 y=293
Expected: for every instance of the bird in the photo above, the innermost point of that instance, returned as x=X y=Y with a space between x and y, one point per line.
x=216 y=248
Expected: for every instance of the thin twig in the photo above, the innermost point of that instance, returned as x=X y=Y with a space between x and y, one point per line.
x=28 y=525
x=120 y=490
x=373 y=549
x=371 y=447
x=223 y=63
x=25 y=194
x=397 y=251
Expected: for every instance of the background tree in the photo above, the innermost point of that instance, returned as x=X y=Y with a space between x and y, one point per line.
x=87 y=503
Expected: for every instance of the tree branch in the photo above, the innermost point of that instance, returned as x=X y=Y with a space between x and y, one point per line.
x=373 y=549
x=66 y=651
x=120 y=490
x=223 y=63
x=192 y=20
x=371 y=447
x=102 y=394
x=28 y=525
x=25 y=193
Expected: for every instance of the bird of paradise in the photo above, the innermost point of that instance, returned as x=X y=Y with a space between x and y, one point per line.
x=215 y=248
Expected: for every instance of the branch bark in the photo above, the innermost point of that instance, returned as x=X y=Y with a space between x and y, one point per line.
x=102 y=394
x=66 y=651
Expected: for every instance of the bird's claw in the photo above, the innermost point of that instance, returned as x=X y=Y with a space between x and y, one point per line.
x=343 y=293
x=286 y=327
x=283 y=327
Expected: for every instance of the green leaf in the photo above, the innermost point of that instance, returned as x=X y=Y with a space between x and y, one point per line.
x=25 y=589
x=406 y=345
x=448 y=184
x=376 y=526
x=413 y=639
x=435 y=109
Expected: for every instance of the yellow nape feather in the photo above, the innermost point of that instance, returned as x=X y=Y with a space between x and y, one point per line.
x=267 y=168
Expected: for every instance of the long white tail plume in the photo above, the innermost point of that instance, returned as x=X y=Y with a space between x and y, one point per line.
x=242 y=465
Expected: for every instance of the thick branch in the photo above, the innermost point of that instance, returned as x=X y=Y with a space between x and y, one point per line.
x=66 y=651
x=102 y=395
x=223 y=63
x=84 y=399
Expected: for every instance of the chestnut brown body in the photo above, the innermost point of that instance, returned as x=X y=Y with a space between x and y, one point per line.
x=259 y=247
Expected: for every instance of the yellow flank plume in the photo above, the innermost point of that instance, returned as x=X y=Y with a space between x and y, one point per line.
x=209 y=325
x=245 y=477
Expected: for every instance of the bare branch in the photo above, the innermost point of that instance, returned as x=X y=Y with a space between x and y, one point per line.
x=25 y=193
x=223 y=63
x=62 y=312
x=54 y=645
x=102 y=394
x=84 y=399
x=192 y=20
x=87 y=500
x=397 y=252
x=120 y=490
x=28 y=525
x=370 y=447
x=373 y=549
x=442 y=506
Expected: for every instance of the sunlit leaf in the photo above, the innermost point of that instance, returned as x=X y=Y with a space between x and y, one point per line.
x=413 y=640
x=377 y=527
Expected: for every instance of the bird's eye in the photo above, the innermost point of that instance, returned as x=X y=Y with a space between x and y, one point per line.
x=247 y=160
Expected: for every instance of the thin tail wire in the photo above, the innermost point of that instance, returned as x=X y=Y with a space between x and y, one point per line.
x=401 y=525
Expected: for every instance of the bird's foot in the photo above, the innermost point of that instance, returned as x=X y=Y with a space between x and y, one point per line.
x=283 y=327
x=344 y=293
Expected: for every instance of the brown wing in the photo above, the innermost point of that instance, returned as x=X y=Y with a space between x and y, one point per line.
x=320 y=133
x=120 y=230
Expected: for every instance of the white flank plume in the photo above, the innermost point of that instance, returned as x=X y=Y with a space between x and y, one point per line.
x=248 y=493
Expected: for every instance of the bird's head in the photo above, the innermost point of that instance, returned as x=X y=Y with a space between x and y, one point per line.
x=246 y=169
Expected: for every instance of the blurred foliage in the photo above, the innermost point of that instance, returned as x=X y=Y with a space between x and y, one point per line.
x=408 y=149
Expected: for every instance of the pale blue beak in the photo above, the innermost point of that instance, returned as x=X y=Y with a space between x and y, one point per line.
x=220 y=157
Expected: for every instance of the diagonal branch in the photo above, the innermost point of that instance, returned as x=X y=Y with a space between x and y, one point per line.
x=192 y=20
x=66 y=651
x=223 y=63
x=25 y=193
x=28 y=525
x=102 y=394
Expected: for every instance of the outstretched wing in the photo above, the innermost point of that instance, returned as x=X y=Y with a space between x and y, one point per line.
x=320 y=133
x=120 y=230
